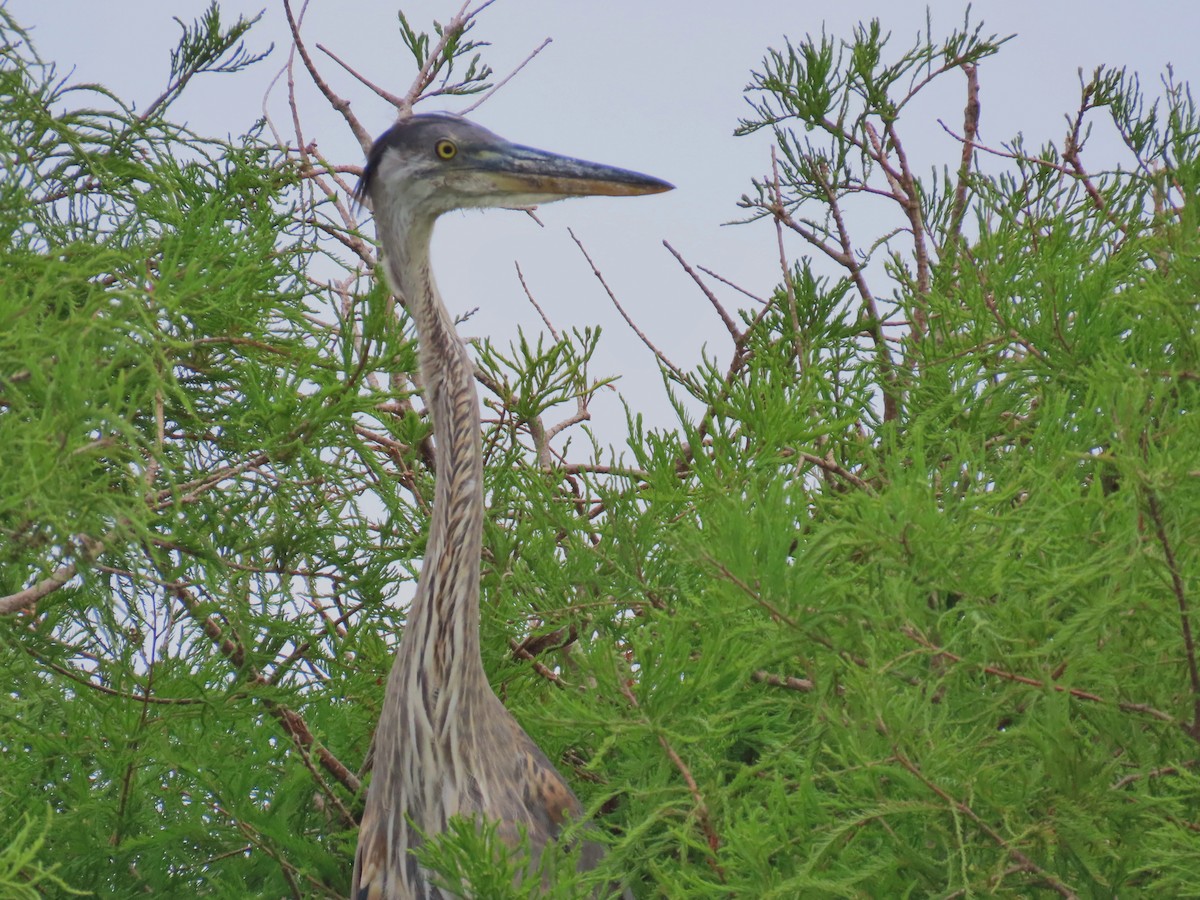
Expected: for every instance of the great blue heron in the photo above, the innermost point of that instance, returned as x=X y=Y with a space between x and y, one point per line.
x=446 y=745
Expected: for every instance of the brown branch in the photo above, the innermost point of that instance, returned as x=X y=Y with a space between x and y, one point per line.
x=520 y=651
x=359 y=246
x=90 y=548
x=789 y=287
x=970 y=133
x=829 y=465
x=1026 y=864
x=989 y=301
x=1073 y=147
x=452 y=30
x=382 y=93
x=750 y=592
x=305 y=743
x=784 y=681
x=529 y=296
x=287 y=869
x=909 y=199
x=941 y=653
x=734 y=285
x=192 y=490
x=659 y=355
x=339 y=104
x=1153 y=773
x=233 y=649
x=730 y=325
x=597 y=469
x=1185 y=624
x=112 y=692
x=88 y=551
x=843 y=255
x=702 y=814
x=581 y=414
x=507 y=78
x=1071 y=154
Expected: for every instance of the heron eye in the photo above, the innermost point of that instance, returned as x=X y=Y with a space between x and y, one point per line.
x=445 y=149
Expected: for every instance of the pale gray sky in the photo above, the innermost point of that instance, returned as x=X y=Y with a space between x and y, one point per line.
x=650 y=86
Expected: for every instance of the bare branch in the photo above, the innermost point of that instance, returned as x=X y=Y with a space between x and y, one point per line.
x=581 y=414
x=730 y=325
x=391 y=98
x=941 y=653
x=1185 y=618
x=529 y=296
x=785 y=270
x=659 y=355
x=702 y=814
x=340 y=104
x=803 y=685
x=507 y=78
x=89 y=550
x=735 y=286
x=1026 y=864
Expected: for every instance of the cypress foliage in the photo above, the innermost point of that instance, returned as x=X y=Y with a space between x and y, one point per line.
x=905 y=609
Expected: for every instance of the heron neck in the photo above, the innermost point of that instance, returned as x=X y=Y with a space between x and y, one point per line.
x=442 y=633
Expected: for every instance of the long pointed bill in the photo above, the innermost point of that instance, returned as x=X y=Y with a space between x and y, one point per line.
x=542 y=177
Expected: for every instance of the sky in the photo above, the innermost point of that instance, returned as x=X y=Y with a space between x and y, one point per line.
x=652 y=86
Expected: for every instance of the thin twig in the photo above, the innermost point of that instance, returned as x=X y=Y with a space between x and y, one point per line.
x=233 y=649
x=714 y=840
x=750 y=592
x=730 y=325
x=1006 y=154
x=340 y=104
x=507 y=78
x=394 y=99
x=1133 y=777
x=789 y=287
x=784 y=681
x=989 y=301
x=595 y=469
x=1185 y=623
x=832 y=467
x=83 y=681
x=942 y=653
x=734 y=285
x=452 y=30
x=529 y=296
x=1027 y=865
x=659 y=355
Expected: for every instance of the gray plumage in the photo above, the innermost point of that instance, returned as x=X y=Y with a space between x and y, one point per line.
x=445 y=744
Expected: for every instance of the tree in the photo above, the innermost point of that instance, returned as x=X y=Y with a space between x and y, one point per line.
x=905 y=610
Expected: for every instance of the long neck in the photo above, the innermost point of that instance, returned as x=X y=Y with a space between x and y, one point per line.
x=442 y=633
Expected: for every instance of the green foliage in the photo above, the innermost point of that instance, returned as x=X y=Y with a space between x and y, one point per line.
x=171 y=426
x=904 y=609
x=474 y=861
x=22 y=877
x=436 y=60
x=207 y=47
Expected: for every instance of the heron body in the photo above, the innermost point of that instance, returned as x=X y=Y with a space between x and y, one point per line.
x=446 y=746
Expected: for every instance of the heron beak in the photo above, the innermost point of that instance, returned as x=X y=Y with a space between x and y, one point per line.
x=525 y=171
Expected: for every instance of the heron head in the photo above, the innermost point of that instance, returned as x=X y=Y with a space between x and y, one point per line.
x=429 y=164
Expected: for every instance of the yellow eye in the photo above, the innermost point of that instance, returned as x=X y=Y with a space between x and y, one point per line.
x=445 y=149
